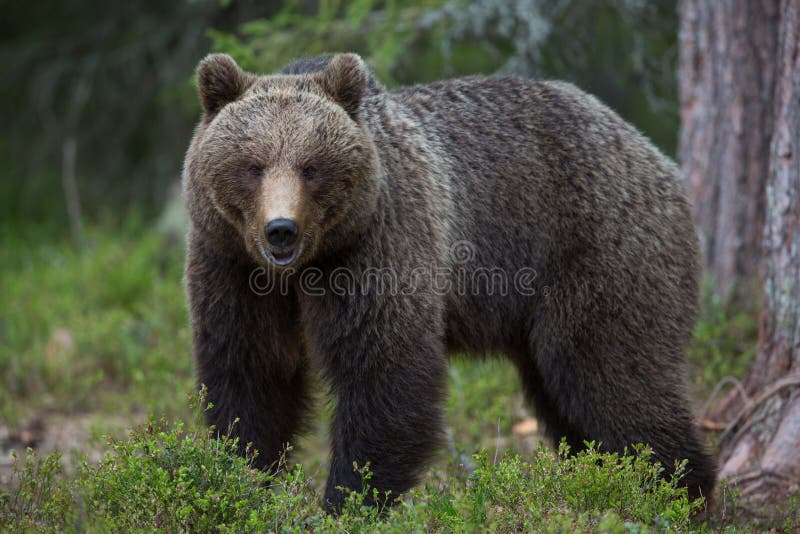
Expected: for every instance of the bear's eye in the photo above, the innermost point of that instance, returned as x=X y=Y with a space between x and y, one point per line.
x=309 y=172
x=255 y=170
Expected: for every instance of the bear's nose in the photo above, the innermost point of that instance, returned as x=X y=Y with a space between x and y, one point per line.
x=281 y=232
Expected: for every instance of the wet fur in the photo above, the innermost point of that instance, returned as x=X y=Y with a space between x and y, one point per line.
x=533 y=175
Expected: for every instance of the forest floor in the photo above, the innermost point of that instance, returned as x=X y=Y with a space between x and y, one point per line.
x=95 y=347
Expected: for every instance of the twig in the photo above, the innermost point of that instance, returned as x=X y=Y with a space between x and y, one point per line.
x=497 y=443
x=725 y=380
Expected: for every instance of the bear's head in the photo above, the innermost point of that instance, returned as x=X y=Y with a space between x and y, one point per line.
x=281 y=167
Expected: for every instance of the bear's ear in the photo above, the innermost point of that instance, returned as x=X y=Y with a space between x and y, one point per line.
x=345 y=81
x=221 y=81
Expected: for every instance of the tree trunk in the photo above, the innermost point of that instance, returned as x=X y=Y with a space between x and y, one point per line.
x=760 y=449
x=727 y=79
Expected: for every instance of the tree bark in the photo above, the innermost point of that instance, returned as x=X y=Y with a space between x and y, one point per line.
x=727 y=79
x=760 y=449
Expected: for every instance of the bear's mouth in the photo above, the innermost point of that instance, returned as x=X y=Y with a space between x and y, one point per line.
x=281 y=258
x=284 y=258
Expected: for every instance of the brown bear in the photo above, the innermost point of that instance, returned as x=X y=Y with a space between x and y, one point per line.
x=483 y=215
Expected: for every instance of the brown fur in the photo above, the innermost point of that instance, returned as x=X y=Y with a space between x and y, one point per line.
x=527 y=175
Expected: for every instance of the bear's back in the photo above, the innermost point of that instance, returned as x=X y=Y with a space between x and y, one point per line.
x=547 y=158
x=543 y=176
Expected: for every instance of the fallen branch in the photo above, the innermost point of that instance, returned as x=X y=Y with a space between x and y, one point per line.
x=748 y=409
x=711 y=426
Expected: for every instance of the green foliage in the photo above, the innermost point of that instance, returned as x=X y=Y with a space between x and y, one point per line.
x=178 y=478
x=75 y=323
x=113 y=78
x=378 y=30
x=42 y=499
x=591 y=487
x=169 y=479
x=724 y=344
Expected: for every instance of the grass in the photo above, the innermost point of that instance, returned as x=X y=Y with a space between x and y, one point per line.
x=107 y=323
x=104 y=331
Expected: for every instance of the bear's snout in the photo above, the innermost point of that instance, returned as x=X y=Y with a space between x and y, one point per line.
x=281 y=233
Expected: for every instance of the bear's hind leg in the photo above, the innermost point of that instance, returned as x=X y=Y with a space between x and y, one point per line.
x=589 y=390
x=554 y=424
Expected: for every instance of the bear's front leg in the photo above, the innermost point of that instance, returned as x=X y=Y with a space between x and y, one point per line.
x=248 y=354
x=385 y=358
